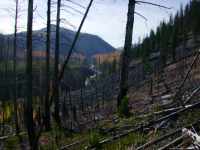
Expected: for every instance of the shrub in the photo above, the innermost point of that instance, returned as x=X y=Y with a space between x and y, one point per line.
x=147 y=67
x=94 y=139
x=123 y=108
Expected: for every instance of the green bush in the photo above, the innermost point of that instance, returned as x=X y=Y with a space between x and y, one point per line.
x=11 y=143
x=94 y=139
x=147 y=67
x=123 y=108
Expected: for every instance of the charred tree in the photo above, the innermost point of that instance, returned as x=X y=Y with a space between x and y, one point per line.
x=29 y=77
x=66 y=61
x=14 y=67
x=125 y=54
x=48 y=47
x=56 y=64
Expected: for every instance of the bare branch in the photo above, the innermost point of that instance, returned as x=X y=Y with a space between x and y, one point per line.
x=70 y=7
x=75 y=3
x=44 y=19
x=153 y=4
x=35 y=8
x=69 y=12
x=63 y=20
x=140 y=15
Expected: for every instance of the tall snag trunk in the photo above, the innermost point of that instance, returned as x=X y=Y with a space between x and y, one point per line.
x=64 y=65
x=125 y=54
x=48 y=47
x=56 y=71
x=14 y=69
x=28 y=102
x=74 y=42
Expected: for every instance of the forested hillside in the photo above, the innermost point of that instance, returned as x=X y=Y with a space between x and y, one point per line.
x=180 y=32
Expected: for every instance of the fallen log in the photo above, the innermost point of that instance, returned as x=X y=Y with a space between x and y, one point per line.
x=176 y=97
x=174 y=114
x=177 y=140
x=159 y=139
x=165 y=111
x=9 y=136
x=192 y=95
x=66 y=147
x=186 y=132
x=165 y=136
x=143 y=126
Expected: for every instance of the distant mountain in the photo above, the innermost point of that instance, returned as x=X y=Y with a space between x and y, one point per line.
x=87 y=45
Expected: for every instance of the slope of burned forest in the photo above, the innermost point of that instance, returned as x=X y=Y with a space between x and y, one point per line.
x=63 y=87
x=165 y=104
x=160 y=106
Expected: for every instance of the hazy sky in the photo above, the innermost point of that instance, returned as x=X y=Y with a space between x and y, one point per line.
x=106 y=19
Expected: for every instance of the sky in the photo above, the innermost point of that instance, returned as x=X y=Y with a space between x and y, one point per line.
x=107 y=18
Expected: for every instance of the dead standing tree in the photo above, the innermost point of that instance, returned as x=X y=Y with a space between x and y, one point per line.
x=63 y=67
x=28 y=103
x=48 y=47
x=56 y=64
x=57 y=52
x=14 y=66
x=125 y=54
x=74 y=42
x=15 y=13
x=47 y=102
x=128 y=45
x=31 y=128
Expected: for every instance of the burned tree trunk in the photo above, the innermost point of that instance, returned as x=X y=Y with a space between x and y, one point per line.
x=125 y=54
x=56 y=65
x=28 y=102
x=81 y=98
x=48 y=47
x=14 y=68
x=74 y=42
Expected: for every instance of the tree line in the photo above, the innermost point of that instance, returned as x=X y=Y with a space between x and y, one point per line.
x=171 y=34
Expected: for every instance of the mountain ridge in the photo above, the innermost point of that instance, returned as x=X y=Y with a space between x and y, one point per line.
x=87 y=44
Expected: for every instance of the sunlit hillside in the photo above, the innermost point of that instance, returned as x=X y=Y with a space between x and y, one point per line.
x=107 y=57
